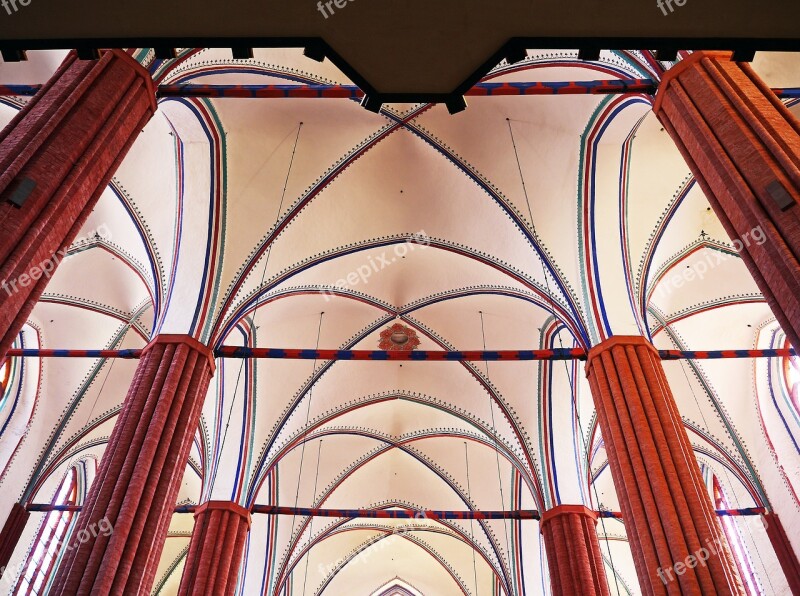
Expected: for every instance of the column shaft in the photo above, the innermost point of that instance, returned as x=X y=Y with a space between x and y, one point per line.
x=783 y=550
x=140 y=474
x=743 y=147
x=216 y=549
x=669 y=517
x=11 y=533
x=573 y=551
x=58 y=154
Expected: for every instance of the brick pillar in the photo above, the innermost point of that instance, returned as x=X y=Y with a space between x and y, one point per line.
x=669 y=517
x=216 y=549
x=743 y=147
x=59 y=154
x=12 y=530
x=141 y=471
x=573 y=551
x=783 y=550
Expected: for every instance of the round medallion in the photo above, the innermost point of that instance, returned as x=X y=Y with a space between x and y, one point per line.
x=398 y=337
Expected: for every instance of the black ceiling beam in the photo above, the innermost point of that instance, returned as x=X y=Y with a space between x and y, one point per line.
x=743 y=48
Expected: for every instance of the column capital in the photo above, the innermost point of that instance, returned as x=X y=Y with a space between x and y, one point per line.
x=224 y=506
x=681 y=67
x=188 y=340
x=143 y=73
x=560 y=510
x=618 y=340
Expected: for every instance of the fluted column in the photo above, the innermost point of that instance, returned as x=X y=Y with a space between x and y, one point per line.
x=743 y=147
x=573 y=551
x=786 y=555
x=56 y=158
x=216 y=549
x=677 y=542
x=10 y=535
x=141 y=471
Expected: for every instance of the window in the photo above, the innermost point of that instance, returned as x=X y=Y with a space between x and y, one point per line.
x=739 y=551
x=791 y=370
x=5 y=373
x=47 y=545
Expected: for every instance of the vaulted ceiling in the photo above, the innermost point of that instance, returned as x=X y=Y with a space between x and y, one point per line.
x=520 y=223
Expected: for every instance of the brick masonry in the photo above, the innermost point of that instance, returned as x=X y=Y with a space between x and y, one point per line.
x=141 y=471
x=216 y=550
x=667 y=510
x=573 y=551
x=69 y=140
x=739 y=140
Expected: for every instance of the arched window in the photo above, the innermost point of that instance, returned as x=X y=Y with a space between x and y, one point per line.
x=738 y=548
x=791 y=371
x=49 y=539
x=5 y=373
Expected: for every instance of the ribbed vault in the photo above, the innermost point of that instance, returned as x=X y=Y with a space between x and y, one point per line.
x=521 y=223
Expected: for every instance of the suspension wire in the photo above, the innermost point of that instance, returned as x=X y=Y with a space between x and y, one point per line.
x=728 y=478
x=496 y=448
x=261 y=283
x=305 y=428
x=311 y=523
x=96 y=399
x=550 y=298
x=471 y=532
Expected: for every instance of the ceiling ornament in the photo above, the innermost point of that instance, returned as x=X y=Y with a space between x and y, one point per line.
x=398 y=337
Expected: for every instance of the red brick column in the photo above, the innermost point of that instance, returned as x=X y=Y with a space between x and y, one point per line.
x=64 y=146
x=783 y=550
x=216 y=550
x=743 y=147
x=141 y=471
x=669 y=518
x=12 y=530
x=573 y=551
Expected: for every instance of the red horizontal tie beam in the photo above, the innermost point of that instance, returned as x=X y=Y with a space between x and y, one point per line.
x=417 y=355
x=746 y=511
x=360 y=513
x=602 y=87
x=395 y=513
x=414 y=355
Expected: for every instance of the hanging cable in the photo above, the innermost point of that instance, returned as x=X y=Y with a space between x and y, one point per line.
x=496 y=446
x=561 y=344
x=261 y=283
x=91 y=411
x=311 y=523
x=471 y=531
x=305 y=427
